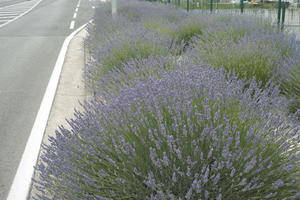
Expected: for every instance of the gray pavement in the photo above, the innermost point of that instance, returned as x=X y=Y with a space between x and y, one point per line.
x=29 y=48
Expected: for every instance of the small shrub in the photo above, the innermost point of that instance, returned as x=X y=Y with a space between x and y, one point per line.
x=131 y=73
x=228 y=26
x=289 y=81
x=188 y=135
x=190 y=27
x=160 y=26
x=259 y=54
x=128 y=45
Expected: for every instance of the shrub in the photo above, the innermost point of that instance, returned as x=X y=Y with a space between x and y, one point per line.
x=114 y=42
x=194 y=134
x=122 y=47
x=132 y=72
x=139 y=11
x=289 y=81
x=160 y=26
x=234 y=27
x=191 y=26
x=259 y=54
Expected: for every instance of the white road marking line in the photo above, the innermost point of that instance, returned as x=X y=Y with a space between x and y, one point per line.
x=13 y=5
x=93 y=7
x=75 y=15
x=8 y=12
x=18 y=7
x=19 y=10
x=72 y=24
x=22 y=14
x=22 y=181
x=76 y=10
x=8 y=15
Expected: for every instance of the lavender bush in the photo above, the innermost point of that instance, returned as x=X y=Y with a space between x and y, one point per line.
x=289 y=80
x=114 y=42
x=230 y=26
x=132 y=72
x=124 y=47
x=260 y=53
x=195 y=134
x=224 y=25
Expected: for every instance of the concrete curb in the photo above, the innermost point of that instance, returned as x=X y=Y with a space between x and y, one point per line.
x=21 y=185
x=70 y=91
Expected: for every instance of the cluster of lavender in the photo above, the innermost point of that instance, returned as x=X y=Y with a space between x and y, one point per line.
x=131 y=36
x=252 y=49
x=253 y=55
x=195 y=134
x=168 y=122
x=134 y=71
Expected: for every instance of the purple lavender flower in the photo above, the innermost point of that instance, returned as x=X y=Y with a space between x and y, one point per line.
x=89 y=161
x=172 y=129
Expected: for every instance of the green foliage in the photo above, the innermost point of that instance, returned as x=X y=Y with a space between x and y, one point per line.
x=128 y=51
x=246 y=60
x=189 y=28
x=290 y=85
x=160 y=26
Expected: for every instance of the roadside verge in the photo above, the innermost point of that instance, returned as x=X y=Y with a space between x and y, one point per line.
x=21 y=185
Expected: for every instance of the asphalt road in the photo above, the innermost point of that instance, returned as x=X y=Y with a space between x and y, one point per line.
x=29 y=48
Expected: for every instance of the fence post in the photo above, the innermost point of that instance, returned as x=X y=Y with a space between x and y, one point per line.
x=283 y=15
x=211 y=6
x=279 y=13
x=242 y=6
x=114 y=9
x=188 y=5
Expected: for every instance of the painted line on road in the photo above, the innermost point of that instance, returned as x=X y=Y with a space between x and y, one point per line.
x=75 y=15
x=21 y=14
x=21 y=185
x=72 y=25
x=76 y=10
x=8 y=14
x=93 y=7
x=6 y=17
x=13 y=5
x=17 y=10
x=78 y=4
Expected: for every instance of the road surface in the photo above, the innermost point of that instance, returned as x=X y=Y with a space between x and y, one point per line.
x=29 y=47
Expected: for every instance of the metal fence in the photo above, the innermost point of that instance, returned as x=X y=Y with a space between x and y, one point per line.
x=284 y=14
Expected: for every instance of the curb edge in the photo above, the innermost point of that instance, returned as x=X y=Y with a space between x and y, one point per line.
x=21 y=184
